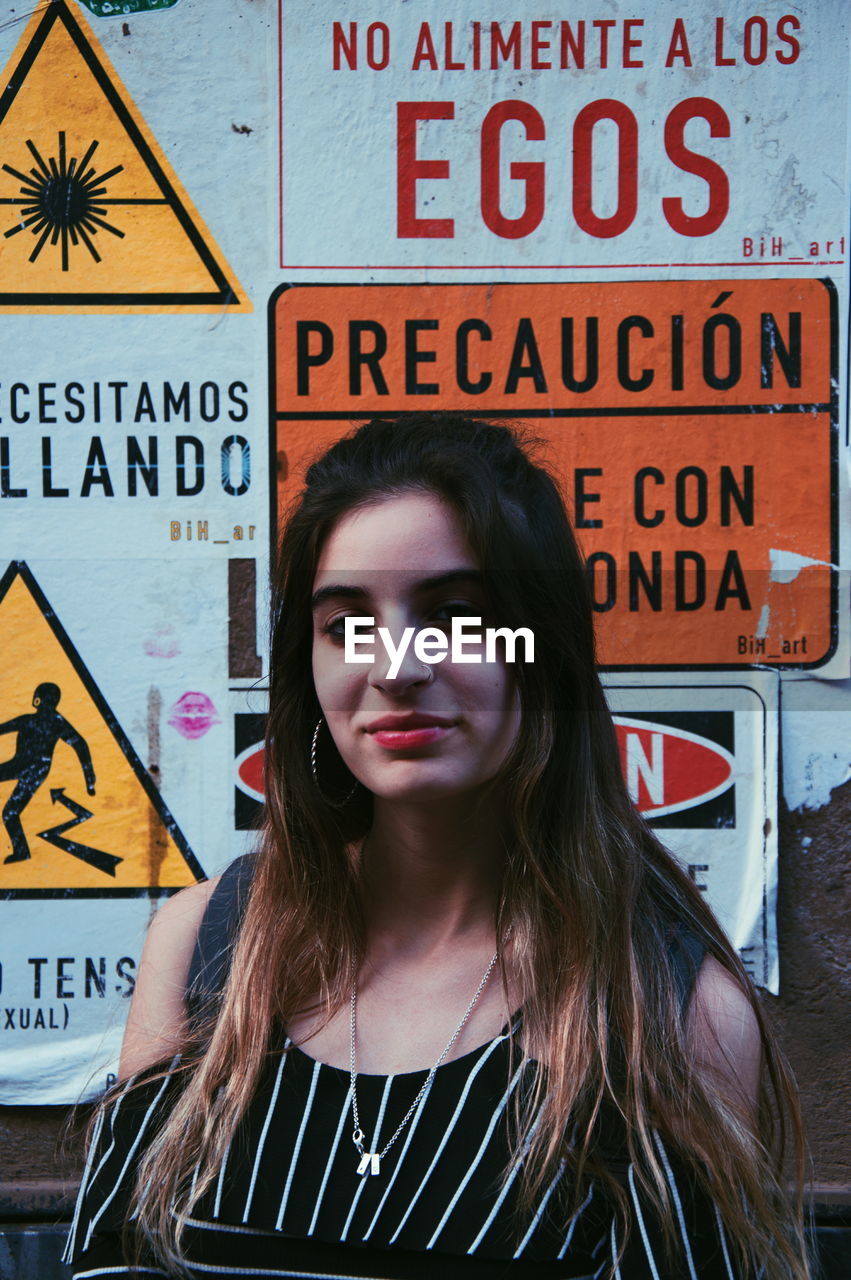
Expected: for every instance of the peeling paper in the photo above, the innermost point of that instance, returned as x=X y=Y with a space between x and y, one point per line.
x=816 y=734
x=786 y=565
x=810 y=777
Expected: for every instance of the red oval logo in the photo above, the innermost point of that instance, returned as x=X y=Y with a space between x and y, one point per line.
x=249 y=771
x=667 y=769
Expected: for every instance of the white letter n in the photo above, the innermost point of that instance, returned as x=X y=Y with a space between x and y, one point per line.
x=639 y=769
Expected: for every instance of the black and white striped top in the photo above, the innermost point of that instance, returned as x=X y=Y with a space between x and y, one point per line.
x=288 y=1201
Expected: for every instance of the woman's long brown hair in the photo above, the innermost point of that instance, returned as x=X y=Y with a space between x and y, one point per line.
x=589 y=892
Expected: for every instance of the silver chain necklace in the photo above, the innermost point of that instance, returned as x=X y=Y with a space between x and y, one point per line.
x=370 y=1161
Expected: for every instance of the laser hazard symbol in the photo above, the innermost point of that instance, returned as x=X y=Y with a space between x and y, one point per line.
x=80 y=815
x=92 y=218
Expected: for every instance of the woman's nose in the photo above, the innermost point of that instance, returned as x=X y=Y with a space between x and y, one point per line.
x=396 y=667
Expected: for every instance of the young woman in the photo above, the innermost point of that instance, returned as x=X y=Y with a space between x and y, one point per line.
x=462 y=1015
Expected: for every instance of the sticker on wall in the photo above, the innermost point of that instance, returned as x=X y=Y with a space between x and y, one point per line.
x=121 y=8
x=94 y=219
x=80 y=815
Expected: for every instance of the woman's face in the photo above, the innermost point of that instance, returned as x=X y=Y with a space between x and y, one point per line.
x=416 y=731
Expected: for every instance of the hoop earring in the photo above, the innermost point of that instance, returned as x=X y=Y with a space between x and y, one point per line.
x=335 y=804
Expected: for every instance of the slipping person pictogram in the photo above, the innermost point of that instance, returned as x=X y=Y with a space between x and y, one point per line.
x=38 y=734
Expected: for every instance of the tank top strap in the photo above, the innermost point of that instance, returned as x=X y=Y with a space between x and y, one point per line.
x=686 y=951
x=208 y=969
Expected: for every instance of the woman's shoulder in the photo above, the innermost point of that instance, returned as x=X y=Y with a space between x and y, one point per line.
x=184 y=962
x=725 y=1033
x=216 y=933
x=182 y=912
x=187 y=921
x=720 y=1010
x=156 y=1022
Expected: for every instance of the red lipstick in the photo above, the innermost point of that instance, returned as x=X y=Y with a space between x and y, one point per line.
x=410 y=729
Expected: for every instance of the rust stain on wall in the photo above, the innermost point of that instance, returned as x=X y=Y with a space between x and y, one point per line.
x=157 y=847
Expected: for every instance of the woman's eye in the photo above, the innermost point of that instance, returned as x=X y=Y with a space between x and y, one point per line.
x=335 y=629
x=455 y=609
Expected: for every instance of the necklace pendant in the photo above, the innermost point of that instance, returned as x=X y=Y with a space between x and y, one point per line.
x=370 y=1162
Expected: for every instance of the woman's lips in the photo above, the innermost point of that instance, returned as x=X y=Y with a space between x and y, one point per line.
x=415 y=730
x=399 y=739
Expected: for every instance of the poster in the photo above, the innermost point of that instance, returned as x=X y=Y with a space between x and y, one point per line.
x=133 y=499
x=661 y=141
x=613 y=228
x=685 y=506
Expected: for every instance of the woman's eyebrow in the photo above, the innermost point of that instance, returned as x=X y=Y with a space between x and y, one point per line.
x=337 y=590
x=471 y=577
x=346 y=591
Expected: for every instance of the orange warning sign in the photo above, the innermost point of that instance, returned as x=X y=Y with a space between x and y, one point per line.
x=692 y=425
x=93 y=218
x=80 y=815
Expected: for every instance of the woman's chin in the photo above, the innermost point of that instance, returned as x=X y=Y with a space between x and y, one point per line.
x=409 y=782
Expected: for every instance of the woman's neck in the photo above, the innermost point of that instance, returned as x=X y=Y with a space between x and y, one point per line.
x=431 y=872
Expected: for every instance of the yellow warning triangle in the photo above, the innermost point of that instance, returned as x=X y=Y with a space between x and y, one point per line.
x=92 y=217
x=80 y=815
